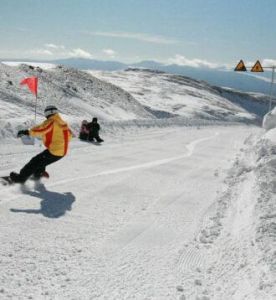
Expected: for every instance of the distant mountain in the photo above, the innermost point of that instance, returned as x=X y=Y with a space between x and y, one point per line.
x=91 y=64
x=218 y=77
x=149 y=64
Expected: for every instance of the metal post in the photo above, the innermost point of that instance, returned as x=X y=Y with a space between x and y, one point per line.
x=271 y=88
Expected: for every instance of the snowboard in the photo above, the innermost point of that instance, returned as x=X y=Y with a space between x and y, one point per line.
x=6 y=180
x=92 y=142
x=95 y=143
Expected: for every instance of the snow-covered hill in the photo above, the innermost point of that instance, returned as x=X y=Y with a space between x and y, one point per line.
x=119 y=99
x=77 y=94
x=174 y=95
x=123 y=99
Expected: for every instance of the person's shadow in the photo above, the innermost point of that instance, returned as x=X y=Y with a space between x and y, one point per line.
x=53 y=204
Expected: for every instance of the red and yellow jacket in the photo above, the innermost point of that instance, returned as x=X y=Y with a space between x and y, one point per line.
x=55 y=133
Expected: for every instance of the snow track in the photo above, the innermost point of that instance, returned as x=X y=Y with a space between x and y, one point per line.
x=117 y=221
x=190 y=147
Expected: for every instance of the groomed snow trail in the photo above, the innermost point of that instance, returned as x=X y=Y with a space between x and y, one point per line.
x=115 y=221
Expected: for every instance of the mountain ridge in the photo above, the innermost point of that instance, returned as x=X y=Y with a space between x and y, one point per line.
x=219 y=77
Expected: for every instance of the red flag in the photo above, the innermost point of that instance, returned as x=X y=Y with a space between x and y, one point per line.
x=31 y=83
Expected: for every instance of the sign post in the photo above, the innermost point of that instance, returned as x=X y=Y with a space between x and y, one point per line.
x=258 y=68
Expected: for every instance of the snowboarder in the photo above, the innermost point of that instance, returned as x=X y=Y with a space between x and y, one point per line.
x=84 y=132
x=94 y=128
x=56 y=135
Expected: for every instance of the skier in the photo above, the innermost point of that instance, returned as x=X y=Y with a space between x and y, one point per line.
x=56 y=135
x=84 y=132
x=94 y=128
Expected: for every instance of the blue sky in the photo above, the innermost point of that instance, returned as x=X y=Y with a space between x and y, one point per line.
x=193 y=32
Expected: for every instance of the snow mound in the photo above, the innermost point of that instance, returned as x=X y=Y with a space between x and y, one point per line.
x=269 y=120
x=266 y=208
x=239 y=233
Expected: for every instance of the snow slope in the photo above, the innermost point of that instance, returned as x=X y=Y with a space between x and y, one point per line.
x=78 y=96
x=117 y=221
x=152 y=99
x=163 y=213
x=165 y=209
x=174 y=95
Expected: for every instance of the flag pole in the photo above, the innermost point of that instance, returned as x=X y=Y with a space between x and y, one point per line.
x=35 y=106
x=32 y=83
x=35 y=90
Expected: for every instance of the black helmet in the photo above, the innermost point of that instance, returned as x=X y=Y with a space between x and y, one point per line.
x=95 y=120
x=50 y=110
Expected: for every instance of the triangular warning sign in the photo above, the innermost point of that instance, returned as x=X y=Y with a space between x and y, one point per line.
x=257 y=67
x=240 y=66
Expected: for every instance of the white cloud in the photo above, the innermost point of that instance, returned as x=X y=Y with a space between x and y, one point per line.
x=109 y=52
x=197 y=63
x=156 y=39
x=80 y=53
x=41 y=52
x=59 y=51
x=268 y=62
x=53 y=46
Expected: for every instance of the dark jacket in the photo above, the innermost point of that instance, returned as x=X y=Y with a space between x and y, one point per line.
x=93 y=128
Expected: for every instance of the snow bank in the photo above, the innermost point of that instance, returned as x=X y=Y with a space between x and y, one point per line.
x=266 y=208
x=239 y=231
x=134 y=125
x=269 y=120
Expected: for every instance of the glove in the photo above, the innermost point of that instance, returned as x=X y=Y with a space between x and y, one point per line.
x=22 y=132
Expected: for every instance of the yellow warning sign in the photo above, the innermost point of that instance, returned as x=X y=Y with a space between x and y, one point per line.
x=257 y=67
x=240 y=66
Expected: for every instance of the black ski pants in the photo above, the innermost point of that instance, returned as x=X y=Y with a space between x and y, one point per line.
x=37 y=165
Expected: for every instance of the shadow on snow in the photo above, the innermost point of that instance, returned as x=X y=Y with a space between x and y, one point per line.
x=53 y=204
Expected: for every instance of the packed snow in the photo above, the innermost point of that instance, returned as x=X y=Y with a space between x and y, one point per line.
x=175 y=204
